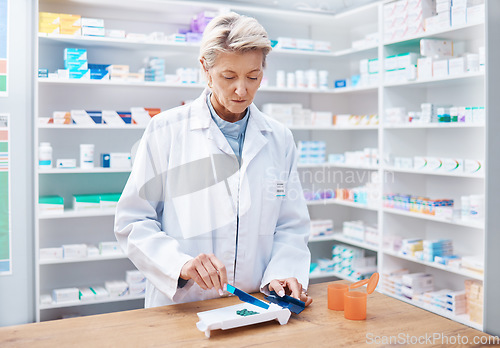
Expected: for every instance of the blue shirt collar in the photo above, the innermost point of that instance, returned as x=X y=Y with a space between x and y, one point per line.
x=230 y=129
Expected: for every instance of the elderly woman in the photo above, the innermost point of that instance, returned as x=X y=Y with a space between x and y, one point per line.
x=214 y=196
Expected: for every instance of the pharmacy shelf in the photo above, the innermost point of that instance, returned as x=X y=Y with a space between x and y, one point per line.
x=340 y=237
x=336 y=165
x=422 y=172
x=90 y=302
x=452 y=80
x=83 y=171
x=133 y=44
x=463 y=32
x=463 y=319
x=337 y=54
x=84 y=259
x=341 y=202
x=343 y=90
x=460 y=271
x=321 y=275
x=334 y=128
x=89 y=82
x=92 y=126
x=437 y=125
x=106 y=42
x=68 y=214
x=433 y=218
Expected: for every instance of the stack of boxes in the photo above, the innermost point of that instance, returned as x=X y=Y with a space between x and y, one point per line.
x=358 y=230
x=48 y=23
x=75 y=62
x=311 y=152
x=321 y=228
x=154 y=70
x=474 y=296
x=368 y=72
x=435 y=249
x=410 y=246
x=416 y=284
x=401 y=67
x=351 y=262
x=99 y=71
x=392 y=282
x=97 y=201
x=455 y=13
x=93 y=27
x=406 y=18
x=136 y=283
x=118 y=72
x=198 y=25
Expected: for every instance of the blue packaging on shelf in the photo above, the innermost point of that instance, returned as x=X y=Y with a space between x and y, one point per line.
x=340 y=83
x=43 y=72
x=79 y=74
x=76 y=65
x=96 y=116
x=75 y=54
x=126 y=116
x=105 y=160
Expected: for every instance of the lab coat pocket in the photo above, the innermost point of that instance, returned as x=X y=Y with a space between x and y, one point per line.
x=273 y=193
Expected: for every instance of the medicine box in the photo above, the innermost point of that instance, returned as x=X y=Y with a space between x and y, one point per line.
x=93 y=31
x=50 y=204
x=109 y=200
x=340 y=83
x=99 y=292
x=92 y=22
x=65 y=295
x=135 y=289
x=106 y=248
x=473 y=166
x=134 y=276
x=86 y=294
x=82 y=202
x=51 y=253
x=440 y=68
x=74 y=251
x=81 y=117
x=116 y=288
x=75 y=54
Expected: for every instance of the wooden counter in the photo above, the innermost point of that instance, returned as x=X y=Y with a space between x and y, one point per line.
x=175 y=326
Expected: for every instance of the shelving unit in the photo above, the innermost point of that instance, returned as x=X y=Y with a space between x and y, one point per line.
x=447 y=140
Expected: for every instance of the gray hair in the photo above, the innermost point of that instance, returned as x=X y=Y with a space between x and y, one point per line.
x=231 y=32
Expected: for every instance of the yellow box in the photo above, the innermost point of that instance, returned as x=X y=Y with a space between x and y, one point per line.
x=70 y=20
x=48 y=28
x=48 y=17
x=71 y=31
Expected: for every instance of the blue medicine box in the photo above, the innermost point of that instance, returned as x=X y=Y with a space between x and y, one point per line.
x=340 y=83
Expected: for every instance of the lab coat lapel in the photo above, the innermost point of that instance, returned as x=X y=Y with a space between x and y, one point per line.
x=254 y=139
x=201 y=119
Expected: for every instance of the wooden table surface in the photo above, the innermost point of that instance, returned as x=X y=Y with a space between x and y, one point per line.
x=175 y=326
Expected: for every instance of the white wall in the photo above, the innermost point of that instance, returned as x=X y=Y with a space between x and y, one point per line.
x=17 y=290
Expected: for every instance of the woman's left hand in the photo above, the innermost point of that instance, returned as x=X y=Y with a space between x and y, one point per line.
x=290 y=286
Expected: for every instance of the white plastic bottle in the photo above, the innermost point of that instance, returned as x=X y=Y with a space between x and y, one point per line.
x=86 y=156
x=45 y=156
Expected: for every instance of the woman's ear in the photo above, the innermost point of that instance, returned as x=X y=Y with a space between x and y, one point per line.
x=203 y=63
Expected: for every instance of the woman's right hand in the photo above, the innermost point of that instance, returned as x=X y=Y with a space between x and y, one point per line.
x=207 y=271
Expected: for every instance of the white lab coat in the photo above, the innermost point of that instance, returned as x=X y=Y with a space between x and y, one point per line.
x=184 y=194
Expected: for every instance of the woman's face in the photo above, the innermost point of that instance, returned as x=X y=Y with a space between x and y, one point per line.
x=234 y=80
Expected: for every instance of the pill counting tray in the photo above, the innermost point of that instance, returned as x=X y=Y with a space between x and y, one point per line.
x=228 y=317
